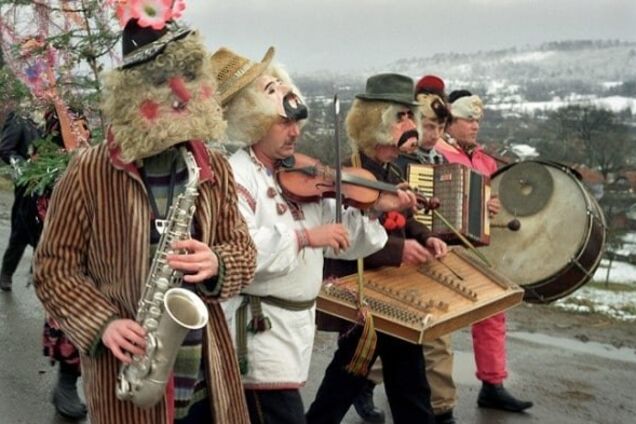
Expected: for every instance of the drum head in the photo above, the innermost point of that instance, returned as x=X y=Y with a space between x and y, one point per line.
x=526 y=188
x=553 y=213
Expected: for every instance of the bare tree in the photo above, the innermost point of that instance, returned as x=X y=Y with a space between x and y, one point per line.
x=587 y=134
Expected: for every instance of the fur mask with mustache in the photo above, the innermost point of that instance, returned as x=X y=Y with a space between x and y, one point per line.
x=370 y=123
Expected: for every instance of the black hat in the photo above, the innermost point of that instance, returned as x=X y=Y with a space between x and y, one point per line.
x=141 y=44
x=458 y=94
x=393 y=88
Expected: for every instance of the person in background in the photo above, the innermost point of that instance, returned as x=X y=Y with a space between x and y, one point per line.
x=16 y=146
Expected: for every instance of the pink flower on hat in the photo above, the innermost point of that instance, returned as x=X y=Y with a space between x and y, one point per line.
x=149 y=13
x=152 y=13
x=123 y=11
x=178 y=8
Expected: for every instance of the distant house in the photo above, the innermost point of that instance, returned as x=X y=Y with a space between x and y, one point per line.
x=630 y=216
x=619 y=202
x=524 y=151
x=630 y=176
x=592 y=178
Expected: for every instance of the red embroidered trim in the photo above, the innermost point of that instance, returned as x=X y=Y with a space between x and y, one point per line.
x=303 y=239
x=247 y=196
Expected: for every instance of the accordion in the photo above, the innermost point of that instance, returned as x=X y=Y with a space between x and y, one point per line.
x=463 y=194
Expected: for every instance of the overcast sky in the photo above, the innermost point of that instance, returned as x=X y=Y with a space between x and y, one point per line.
x=342 y=35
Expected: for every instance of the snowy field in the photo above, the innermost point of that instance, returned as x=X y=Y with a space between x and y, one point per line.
x=613 y=103
x=616 y=304
x=621 y=272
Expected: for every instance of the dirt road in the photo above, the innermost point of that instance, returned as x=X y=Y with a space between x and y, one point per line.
x=576 y=368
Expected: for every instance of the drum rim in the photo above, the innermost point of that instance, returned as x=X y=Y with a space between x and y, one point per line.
x=532 y=294
x=594 y=222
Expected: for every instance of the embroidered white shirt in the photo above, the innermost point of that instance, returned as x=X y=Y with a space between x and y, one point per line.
x=279 y=357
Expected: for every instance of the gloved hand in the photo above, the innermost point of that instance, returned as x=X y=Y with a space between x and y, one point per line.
x=16 y=166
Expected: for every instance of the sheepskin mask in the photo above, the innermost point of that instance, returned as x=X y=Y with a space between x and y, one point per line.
x=371 y=123
x=163 y=102
x=287 y=103
x=254 y=109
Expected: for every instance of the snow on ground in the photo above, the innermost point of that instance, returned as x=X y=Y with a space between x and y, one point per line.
x=531 y=57
x=611 y=84
x=628 y=246
x=613 y=303
x=613 y=103
x=621 y=272
x=616 y=304
x=629 y=238
x=617 y=103
x=524 y=151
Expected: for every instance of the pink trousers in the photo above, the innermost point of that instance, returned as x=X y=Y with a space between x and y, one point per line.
x=489 y=345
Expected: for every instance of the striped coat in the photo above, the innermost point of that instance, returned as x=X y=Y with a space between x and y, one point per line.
x=93 y=258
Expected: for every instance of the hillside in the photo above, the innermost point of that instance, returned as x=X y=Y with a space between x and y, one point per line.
x=598 y=62
x=529 y=78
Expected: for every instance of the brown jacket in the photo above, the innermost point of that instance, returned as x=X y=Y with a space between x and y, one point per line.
x=391 y=253
x=93 y=258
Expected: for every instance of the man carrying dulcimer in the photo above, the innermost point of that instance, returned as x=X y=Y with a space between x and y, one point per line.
x=274 y=321
x=379 y=121
x=434 y=113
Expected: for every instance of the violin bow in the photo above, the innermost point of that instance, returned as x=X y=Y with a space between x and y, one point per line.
x=338 y=184
x=338 y=164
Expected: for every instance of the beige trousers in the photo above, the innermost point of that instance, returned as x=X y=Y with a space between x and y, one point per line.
x=439 y=372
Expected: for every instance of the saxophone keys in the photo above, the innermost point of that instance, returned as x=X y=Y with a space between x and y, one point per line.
x=162 y=284
x=161 y=225
x=151 y=324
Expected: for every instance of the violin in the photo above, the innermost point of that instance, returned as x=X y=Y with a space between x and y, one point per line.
x=304 y=179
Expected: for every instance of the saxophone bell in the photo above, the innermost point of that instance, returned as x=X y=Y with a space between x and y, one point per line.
x=184 y=311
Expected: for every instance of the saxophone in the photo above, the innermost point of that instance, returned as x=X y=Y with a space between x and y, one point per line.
x=165 y=311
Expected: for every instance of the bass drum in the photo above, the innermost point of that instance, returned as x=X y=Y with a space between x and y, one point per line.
x=562 y=234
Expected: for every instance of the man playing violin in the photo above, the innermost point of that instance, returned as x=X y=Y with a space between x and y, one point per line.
x=379 y=121
x=273 y=321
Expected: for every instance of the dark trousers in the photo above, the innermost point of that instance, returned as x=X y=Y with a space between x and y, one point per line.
x=25 y=230
x=275 y=406
x=199 y=413
x=405 y=382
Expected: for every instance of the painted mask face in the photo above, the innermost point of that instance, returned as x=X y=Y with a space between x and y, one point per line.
x=287 y=103
x=404 y=131
x=173 y=91
x=163 y=102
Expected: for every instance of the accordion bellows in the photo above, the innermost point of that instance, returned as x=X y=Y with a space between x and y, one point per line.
x=463 y=194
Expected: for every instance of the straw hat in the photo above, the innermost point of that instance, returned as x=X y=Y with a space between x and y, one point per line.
x=235 y=72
